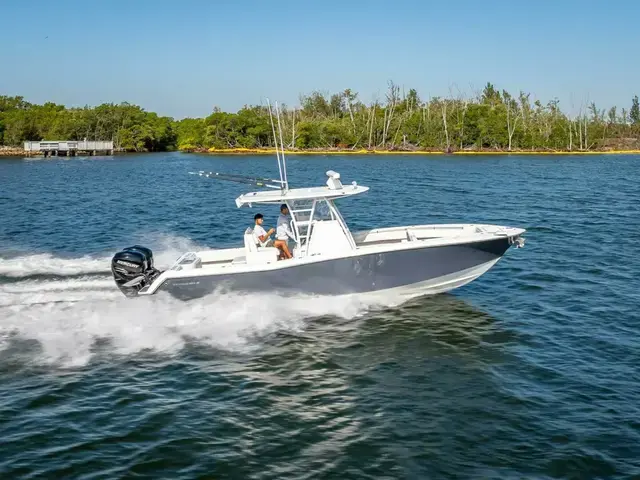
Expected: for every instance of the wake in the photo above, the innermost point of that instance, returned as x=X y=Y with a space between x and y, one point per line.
x=76 y=306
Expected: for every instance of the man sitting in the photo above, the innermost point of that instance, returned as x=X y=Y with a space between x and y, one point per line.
x=283 y=232
x=260 y=235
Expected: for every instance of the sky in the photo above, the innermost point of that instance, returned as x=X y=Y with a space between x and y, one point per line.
x=182 y=58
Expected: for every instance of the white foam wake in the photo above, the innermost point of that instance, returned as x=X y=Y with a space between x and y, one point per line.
x=67 y=315
x=68 y=330
x=47 y=264
x=73 y=289
x=166 y=250
x=70 y=284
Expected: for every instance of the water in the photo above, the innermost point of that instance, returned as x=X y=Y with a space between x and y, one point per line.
x=529 y=372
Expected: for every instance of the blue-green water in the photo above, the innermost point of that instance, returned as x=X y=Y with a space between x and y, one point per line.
x=532 y=371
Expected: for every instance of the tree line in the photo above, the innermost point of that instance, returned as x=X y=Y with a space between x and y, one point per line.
x=129 y=126
x=492 y=119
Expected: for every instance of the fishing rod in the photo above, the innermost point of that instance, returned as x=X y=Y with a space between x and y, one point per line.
x=282 y=163
x=282 y=184
x=256 y=181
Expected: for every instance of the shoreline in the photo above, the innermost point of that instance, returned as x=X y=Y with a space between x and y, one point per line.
x=238 y=151
x=18 y=152
x=272 y=151
x=12 y=152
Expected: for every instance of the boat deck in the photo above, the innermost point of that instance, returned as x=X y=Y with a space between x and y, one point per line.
x=386 y=236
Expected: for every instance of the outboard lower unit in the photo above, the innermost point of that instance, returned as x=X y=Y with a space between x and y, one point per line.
x=133 y=269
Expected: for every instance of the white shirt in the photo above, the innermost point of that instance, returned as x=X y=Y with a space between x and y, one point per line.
x=283 y=230
x=258 y=231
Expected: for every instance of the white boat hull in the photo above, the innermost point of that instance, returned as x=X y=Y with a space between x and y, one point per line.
x=410 y=269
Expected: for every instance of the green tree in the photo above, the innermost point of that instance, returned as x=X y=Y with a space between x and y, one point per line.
x=634 y=113
x=190 y=133
x=495 y=119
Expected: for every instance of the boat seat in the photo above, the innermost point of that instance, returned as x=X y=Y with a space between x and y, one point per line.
x=258 y=254
x=249 y=241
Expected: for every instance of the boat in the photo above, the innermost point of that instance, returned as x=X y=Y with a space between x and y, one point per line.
x=328 y=258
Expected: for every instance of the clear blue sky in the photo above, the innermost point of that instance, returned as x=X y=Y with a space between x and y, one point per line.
x=181 y=58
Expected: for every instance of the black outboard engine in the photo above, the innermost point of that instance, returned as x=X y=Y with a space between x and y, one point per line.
x=133 y=269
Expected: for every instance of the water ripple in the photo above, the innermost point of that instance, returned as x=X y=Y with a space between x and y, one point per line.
x=529 y=372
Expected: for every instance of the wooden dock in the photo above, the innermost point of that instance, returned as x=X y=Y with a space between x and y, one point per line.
x=69 y=148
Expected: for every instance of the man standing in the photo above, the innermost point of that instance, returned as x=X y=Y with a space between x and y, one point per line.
x=283 y=232
x=260 y=235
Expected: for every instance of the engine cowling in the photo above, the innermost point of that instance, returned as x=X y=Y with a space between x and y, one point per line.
x=133 y=269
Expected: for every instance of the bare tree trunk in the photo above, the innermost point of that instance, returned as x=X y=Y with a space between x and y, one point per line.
x=293 y=130
x=393 y=107
x=511 y=125
x=570 y=135
x=393 y=142
x=579 y=126
x=464 y=114
x=373 y=117
x=366 y=125
x=384 y=127
x=387 y=125
x=444 y=121
x=428 y=123
x=586 y=144
x=353 y=122
x=392 y=98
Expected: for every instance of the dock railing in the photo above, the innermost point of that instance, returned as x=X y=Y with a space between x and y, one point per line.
x=69 y=147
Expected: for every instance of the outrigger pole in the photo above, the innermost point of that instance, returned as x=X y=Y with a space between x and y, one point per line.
x=282 y=184
x=256 y=181
x=282 y=163
x=275 y=142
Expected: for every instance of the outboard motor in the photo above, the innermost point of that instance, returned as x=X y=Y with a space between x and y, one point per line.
x=133 y=269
